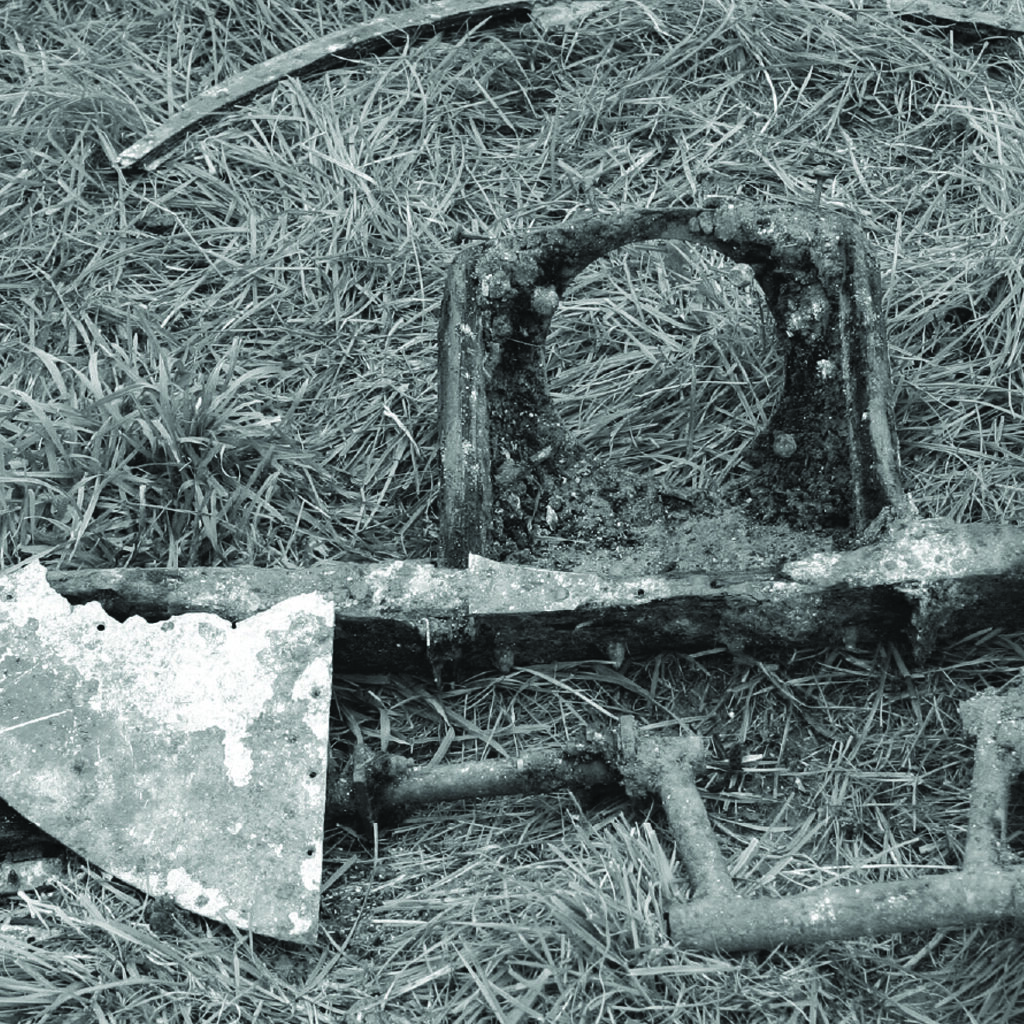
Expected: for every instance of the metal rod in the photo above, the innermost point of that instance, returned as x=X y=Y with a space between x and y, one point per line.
x=691 y=829
x=825 y=915
x=388 y=786
x=996 y=720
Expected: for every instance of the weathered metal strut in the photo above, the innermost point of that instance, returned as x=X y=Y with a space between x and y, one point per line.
x=925 y=582
x=989 y=888
x=328 y=53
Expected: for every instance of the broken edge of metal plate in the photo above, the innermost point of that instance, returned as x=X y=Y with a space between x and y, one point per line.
x=187 y=757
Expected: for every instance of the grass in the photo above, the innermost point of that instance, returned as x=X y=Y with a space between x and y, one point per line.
x=231 y=361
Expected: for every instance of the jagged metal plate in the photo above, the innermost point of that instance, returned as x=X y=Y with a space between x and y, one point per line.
x=186 y=757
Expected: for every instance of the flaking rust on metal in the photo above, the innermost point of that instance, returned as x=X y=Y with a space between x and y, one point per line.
x=920 y=551
x=500 y=587
x=187 y=757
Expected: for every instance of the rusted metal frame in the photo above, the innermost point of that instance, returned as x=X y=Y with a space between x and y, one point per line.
x=823 y=292
x=314 y=57
x=919 y=581
x=989 y=888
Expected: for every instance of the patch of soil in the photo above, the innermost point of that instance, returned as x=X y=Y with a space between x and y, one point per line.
x=571 y=513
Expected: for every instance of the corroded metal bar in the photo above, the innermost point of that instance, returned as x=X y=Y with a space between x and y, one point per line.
x=996 y=721
x=389 y=786
x=826 y=915
x=924 y=583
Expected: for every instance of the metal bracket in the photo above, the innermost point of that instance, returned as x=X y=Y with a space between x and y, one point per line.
x=828 y=458
x=503 y=448
x=989 y=888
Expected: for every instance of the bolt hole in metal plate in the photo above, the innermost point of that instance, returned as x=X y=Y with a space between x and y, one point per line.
x=186 y=757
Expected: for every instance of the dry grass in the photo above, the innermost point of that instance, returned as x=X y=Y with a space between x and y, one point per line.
x=231 y=361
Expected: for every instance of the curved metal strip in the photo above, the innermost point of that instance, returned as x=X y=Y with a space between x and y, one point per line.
x=313 y=57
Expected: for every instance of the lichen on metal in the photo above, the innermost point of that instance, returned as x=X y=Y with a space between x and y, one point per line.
x=187 y=757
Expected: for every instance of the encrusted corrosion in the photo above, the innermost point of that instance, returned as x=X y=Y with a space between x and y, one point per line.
x=827 y=459
x=990 y=888
x=921 y=584
x=187 y=757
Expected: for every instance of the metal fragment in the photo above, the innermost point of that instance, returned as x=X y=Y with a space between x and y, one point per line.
x=186 y=757
x=317 y=56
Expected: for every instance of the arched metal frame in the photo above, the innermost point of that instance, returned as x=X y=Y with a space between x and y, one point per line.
x=821 y=286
